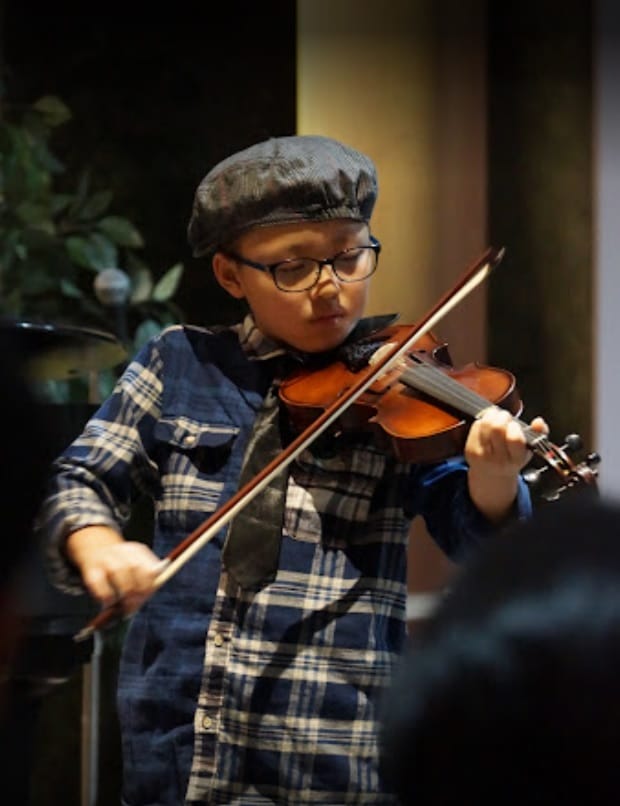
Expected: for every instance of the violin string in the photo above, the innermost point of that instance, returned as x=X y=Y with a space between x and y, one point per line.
x=432 y=381
x=437 y=384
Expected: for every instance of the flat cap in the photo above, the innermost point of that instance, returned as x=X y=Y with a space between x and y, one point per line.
x=281 y=181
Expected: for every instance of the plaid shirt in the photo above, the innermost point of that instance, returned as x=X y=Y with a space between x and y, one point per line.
x=228 y=696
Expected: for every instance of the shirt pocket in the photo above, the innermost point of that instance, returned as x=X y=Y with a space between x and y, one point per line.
x=194 y=460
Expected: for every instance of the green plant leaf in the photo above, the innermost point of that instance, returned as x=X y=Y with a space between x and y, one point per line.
x=142 y=286
x=106 y=381
x=23 y=175
x=52 y=243
x=60 y=202
x=46 y=159
x=53 y=110
x=36 y=215
x=97 y=204
x=69 y=289
x=167 y=318
x=145 y=331
x=92 y=252
x=81 y=193
x=121 y=231
x=168 y=284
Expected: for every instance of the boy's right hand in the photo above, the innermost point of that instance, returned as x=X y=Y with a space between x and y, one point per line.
x=114 y=570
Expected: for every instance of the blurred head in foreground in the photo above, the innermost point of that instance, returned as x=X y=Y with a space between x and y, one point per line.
x=511 y=691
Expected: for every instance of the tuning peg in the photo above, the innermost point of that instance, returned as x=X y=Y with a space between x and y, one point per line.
x=593 y=459
x=534 y=476
x=572 y=443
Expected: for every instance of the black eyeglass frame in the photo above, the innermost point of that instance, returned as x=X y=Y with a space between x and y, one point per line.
x=271 y=268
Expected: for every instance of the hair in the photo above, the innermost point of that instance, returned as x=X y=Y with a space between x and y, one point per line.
x=511 y=690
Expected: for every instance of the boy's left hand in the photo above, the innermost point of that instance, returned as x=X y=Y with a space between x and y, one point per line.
x=496 y=451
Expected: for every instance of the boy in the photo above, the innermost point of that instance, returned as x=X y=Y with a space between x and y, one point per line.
x=236 y=690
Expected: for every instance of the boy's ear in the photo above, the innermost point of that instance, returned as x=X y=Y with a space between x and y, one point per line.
x=227 y=274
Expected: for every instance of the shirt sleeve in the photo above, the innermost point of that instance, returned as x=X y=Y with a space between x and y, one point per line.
x=97 y=477
x=441 y=497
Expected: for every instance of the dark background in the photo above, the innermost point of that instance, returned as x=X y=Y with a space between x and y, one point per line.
x=540 y=201
x=158 y=96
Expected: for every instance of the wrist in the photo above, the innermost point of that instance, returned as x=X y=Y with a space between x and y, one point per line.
x=86 y=539
x=493 y=495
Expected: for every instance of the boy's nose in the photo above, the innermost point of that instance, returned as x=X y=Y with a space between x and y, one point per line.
x=328 y=282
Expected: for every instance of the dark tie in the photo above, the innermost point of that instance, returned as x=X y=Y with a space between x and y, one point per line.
x=252 y=546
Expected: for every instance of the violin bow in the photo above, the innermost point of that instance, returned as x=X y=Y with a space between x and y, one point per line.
x=473 y=276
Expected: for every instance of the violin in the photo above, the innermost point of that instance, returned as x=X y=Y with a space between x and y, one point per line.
x=416 y=410
x=421 y=408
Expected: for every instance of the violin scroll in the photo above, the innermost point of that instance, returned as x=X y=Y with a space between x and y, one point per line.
x=567 y=474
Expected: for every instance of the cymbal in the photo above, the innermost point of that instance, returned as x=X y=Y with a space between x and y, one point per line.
x=61 y=352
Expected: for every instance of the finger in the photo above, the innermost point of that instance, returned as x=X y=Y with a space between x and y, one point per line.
x=142 y=576
x=516 y=444
x=132 y=570
x=540 y=425
x=102 y=586
x=500 y=434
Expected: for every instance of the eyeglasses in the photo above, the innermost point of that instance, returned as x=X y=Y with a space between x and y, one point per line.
x=303 y=273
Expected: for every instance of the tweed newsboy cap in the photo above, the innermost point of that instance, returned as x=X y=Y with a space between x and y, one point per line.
x=281 y=181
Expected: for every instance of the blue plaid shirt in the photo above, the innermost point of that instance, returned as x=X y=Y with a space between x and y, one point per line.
x=227 y=696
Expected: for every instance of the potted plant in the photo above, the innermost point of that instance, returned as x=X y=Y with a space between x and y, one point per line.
x=59 y=241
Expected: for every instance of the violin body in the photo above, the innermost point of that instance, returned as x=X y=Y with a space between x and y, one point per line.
x=406 y=421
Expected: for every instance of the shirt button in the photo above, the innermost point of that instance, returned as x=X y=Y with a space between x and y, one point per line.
x=207 y=722
x=188 y=440
x=218 y=639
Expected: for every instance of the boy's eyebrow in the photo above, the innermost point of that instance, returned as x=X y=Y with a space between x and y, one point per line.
x=299 y=249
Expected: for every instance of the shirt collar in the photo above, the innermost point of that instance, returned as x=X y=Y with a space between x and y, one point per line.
x=258 y=346
x=254 y=342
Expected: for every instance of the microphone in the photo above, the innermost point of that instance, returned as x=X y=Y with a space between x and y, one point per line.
x=112 y=288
